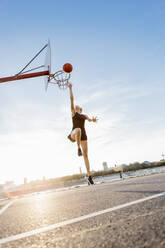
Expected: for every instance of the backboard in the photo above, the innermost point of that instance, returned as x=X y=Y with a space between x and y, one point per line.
x=47 y=65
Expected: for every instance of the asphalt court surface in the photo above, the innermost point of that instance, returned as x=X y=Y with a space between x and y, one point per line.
x=141 y=224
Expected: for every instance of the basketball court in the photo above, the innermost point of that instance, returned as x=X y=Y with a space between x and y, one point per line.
x=105 y=215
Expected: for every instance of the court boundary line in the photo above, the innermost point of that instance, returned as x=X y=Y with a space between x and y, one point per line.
x=75 y=220
x=6 y=207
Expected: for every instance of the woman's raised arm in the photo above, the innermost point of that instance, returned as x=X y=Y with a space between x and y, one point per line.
x=71 y=98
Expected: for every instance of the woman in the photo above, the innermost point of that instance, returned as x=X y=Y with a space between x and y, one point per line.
x=78 y=132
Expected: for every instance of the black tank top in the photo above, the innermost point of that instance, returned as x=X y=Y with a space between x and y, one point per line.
x=78 y=120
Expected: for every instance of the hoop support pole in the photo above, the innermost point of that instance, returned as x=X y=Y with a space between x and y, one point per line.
x=24 y=76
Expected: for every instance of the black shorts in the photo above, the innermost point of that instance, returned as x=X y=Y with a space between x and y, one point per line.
x=83 y=137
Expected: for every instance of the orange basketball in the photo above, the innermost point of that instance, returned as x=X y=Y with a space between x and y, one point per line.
x=67 y=68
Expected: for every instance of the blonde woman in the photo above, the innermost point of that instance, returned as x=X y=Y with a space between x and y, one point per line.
x=78 y=133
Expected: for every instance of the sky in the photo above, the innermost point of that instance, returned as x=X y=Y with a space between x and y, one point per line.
x=117 y=51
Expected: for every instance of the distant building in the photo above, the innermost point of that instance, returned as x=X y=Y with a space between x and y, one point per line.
x=105 y=166
x=80 y=170
x=25 y=180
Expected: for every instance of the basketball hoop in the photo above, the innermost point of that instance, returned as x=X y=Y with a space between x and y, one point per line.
x=60 y=78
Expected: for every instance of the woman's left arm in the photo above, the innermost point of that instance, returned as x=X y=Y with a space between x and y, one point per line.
x=94 y=119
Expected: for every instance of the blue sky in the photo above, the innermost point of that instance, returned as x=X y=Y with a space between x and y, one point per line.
x=117 y=51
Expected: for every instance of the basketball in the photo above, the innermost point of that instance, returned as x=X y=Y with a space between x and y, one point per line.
x=67 y=68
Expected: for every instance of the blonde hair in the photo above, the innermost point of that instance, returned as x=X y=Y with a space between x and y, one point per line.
x=77 y=107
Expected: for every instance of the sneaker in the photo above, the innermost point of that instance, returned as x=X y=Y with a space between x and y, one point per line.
x=79 y=152
x=90 y=180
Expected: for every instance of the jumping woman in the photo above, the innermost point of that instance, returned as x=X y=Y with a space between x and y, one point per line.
x=78 y=133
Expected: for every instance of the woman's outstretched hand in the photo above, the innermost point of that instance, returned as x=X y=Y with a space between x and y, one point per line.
x=94 y=119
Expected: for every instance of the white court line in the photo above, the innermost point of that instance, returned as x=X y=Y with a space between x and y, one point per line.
x=78 y=219
x=3 y=199
x=6 y=207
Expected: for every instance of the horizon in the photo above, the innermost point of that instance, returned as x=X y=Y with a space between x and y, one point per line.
x=117 y=53
x=44 y=179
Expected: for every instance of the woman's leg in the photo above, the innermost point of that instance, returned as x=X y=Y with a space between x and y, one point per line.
x=84 y=145
x=76 y=135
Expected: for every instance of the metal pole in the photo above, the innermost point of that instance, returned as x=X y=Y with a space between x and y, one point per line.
x=24 y=76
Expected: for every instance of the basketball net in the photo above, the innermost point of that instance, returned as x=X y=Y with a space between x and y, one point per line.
x=60 y=78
